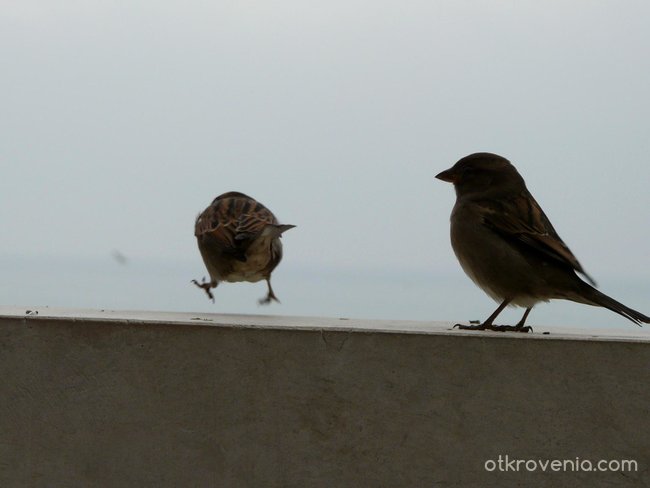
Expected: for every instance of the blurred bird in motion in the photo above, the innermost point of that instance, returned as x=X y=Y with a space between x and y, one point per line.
x=239 y=240
x=119 y=257
x=508 y=247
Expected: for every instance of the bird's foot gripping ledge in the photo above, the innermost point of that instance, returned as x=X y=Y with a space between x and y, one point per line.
x=497 y=328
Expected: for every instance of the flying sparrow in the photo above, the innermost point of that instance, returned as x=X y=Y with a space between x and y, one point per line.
x=508 y=247
x=239 y=240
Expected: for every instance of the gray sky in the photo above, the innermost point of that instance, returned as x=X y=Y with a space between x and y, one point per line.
x=122 y=120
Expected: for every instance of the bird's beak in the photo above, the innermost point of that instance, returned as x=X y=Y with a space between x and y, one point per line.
x=448 y=175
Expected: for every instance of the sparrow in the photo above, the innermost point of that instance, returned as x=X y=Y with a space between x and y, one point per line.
x=508 y=247
x=239 y=240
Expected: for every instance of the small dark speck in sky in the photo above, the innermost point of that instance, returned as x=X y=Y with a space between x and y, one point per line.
x=119 y=257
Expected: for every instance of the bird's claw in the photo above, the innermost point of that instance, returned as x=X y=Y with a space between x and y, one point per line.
x=496 y=328
x=268 y=299
x=205 y=285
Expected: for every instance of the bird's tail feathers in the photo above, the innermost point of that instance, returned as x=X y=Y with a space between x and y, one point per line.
x=276 y=230
x=595 y=297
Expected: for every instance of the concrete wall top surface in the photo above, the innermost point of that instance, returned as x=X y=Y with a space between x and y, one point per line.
x=624 y=332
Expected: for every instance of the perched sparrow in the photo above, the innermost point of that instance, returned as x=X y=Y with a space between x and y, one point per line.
x=239 y=240
x=508 y=247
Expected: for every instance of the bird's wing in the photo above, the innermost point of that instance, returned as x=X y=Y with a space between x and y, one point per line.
x=521 y=218
x=232 y=222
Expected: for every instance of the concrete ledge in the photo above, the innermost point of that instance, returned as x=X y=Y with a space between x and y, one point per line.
x=101 y=398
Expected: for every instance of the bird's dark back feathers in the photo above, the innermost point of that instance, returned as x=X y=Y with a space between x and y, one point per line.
x=232 y=222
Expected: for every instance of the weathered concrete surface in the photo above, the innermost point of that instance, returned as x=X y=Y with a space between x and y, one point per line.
x=127 y=399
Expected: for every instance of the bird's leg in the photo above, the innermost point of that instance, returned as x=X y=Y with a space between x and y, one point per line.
x=488 y=324
x=269 y=296
x=520 y=325
x=206 y=285
x=514 y=328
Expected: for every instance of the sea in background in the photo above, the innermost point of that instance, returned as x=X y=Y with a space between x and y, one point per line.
x=116 y=283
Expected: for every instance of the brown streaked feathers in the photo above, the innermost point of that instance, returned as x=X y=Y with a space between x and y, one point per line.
x=520 y=217
x=239 y=240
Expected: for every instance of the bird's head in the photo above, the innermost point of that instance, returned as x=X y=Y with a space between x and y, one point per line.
x=481 y=173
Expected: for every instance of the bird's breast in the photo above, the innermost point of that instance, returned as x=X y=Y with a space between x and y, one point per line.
x=491 y=262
